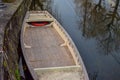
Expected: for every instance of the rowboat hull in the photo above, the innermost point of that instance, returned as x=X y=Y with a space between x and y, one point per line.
x=48 y=50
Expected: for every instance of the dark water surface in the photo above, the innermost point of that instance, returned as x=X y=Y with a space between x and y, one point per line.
x=94 y=26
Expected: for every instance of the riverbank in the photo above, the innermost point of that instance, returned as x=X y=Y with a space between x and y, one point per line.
x=11 y=18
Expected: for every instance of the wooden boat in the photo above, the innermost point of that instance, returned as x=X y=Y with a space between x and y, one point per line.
x=48 y=50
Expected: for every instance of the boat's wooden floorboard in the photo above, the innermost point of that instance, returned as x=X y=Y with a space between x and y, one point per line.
x=70 y=75
x=45 y=48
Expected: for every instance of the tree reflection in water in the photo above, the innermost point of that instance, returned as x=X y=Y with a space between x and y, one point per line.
x=48 y=5
x=37 y=4
x=102 y=23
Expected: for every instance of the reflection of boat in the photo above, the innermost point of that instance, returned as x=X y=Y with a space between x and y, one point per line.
x=48 y=50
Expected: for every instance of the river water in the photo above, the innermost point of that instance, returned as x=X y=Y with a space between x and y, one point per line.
x=94 y=26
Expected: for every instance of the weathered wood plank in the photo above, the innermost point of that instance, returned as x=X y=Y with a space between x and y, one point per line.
x=60 y=73
x=45 y=48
